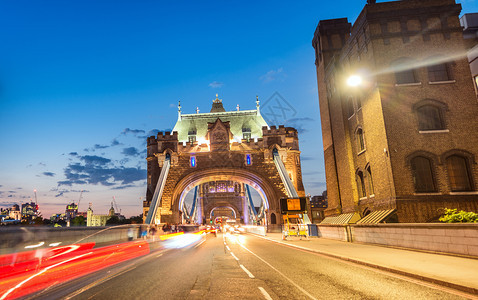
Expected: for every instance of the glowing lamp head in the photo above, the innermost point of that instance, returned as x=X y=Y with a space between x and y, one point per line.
x=354 y=80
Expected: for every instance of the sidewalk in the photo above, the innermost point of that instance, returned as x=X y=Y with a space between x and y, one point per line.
x=451 y=271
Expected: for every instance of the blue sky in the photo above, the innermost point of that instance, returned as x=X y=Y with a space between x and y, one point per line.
x=82 y=83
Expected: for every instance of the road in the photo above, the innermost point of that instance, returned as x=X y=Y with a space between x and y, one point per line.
x=242 y=267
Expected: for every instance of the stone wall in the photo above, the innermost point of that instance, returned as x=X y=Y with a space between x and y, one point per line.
x=443 y=238
x=334 y=232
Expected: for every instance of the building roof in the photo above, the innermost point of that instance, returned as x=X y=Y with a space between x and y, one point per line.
x=240 y=121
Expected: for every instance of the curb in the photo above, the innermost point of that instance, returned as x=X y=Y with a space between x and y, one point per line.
x=455 y=286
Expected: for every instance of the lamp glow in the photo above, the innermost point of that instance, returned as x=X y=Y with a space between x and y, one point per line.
x=354 y=80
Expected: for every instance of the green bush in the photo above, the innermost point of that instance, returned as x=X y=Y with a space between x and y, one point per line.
x=452 y=216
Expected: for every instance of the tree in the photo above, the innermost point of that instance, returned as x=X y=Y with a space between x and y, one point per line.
x=137 y=219
x=78 y=221
x=114 y=220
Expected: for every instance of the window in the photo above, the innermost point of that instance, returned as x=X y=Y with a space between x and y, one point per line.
x=191 y=136
x=246 y=134
x=438 y=73
x=273 y=218
x=248 y=159
x=370 y=181
x=406 y=76
x=458 y=173
x=360 y=140
x=360 y=184
x=350 y=107
x=430 y=118
x=422 y=175
x=192 y=161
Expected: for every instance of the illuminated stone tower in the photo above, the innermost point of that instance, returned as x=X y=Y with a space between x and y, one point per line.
x=404 y=138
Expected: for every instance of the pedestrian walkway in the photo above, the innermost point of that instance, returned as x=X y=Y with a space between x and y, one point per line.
x=446 y=270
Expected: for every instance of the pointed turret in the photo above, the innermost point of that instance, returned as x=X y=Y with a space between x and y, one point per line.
x=217 y=105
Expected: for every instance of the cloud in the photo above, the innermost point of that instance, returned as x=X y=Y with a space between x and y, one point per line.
x=153 y=132
x=97 y=171
x=132 y=131
x=216 y=84
x=307 y=158
x=273 y=75
x=42 y=164
x=311 y=173
x=59 y=194
x=98 y=146
x=95 y=160
x=123 y=186
x=316 y=184
x=7 y=203
x=49 y=174
x=172 y=105
x=299 y=124
x=130 y=151
x=115 y=142
x=73 y=153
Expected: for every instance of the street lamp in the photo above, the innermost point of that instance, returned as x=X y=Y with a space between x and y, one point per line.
x=354 y=80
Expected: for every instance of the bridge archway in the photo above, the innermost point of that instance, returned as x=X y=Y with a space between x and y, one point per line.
x=262 y=185
x=209 y=212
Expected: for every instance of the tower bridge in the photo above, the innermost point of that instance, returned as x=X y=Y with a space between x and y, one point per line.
x=219 y=156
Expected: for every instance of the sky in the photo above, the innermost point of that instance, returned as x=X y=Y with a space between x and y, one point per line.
x=83 y=83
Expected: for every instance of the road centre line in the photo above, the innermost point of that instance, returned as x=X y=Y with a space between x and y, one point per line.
x=282 y=274
x=228 y=248
x=247 y=271
x=234 y=256
x=265 y=293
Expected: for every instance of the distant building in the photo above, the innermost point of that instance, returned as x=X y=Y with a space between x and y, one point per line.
x=30 y=211
x=404 y=139
x=15 y=213
x=71 y=211
x=98 y=220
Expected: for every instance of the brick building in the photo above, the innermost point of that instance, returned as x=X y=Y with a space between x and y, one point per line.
x=402 y=134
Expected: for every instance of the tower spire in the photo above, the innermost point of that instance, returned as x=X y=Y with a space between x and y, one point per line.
x=217 y=105
x=258 y=105
x=179 y=110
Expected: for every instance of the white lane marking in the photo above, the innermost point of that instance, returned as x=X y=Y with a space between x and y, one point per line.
x=265 y=293
x=247 y=271
x=282 y=274
x=234 y=256
x=228 y=248
x=159 y=255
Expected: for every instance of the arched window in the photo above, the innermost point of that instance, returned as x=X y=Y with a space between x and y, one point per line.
x=370 y=181
x=438 y=72
x=458 y=173
x=360 y=185
x=430 y=118
x=273 y=218
x=360 y=140
x=423 y=175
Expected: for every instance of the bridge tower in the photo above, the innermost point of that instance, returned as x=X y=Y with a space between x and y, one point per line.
x=221 y=152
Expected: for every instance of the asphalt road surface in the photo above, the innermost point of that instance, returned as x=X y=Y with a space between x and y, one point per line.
x=243 y=267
